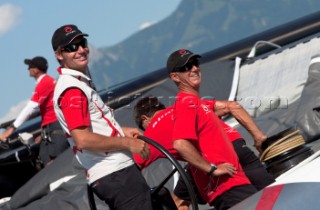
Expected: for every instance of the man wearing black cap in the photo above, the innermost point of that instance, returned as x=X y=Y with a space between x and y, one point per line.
x=53 y=139
x=198 y=129
x=102 y=147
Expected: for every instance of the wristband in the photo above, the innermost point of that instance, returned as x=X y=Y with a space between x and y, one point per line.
x=213 y=168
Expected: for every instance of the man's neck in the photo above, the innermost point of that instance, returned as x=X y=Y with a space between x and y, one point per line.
x=189 y=91
x=38 y=76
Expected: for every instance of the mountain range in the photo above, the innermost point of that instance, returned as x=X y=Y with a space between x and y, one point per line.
x=200 y=26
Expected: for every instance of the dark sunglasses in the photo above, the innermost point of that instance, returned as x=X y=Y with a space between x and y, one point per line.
x=31 y=66
x=73 y=47
x=188 y=66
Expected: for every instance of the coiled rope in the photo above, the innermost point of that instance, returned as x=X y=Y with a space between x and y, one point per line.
x=286 y=143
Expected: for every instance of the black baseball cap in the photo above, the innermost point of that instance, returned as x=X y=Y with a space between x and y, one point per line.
x=179 y=58
x=64 y=35
x=38 y=62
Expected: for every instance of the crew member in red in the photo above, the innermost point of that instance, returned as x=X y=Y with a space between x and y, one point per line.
x=53 y=141
x=157 y=122
x=197 y=130
x=150 y=114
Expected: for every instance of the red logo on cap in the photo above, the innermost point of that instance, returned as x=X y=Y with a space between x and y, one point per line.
x=67 y=29
x=182 y=52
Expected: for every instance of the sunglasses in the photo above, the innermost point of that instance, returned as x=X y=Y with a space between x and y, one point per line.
x=31 y=66
x=188 y=66
x=73 y=47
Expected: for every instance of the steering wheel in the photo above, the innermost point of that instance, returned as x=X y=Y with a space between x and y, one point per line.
x=174 y=162
x=178 y=168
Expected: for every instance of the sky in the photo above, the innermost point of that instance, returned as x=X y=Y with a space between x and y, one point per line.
x=26 y=28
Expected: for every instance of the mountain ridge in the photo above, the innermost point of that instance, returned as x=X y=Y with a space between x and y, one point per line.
x=200 y=26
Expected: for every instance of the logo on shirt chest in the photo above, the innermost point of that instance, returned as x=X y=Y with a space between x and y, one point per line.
x=205 y=109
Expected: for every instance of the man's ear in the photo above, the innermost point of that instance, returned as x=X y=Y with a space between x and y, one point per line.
x=144 y=117
x=58 y=55
x=145 y=121
x=175 y=77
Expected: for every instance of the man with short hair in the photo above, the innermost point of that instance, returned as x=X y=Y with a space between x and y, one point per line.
x=197 y=129
x=101 y=146
x=53 y=140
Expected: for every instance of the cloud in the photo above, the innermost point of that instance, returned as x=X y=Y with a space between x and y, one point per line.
x=146 y=25
x=13 y=112
x=9 y=17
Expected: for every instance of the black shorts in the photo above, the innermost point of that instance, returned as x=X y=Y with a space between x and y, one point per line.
x=233 y=196
x=252 y=166
x=181 y=190
x=124 y=189
x=55 y=143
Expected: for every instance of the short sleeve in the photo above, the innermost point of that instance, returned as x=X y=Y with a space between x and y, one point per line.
x=210 y=103
x=74 y=106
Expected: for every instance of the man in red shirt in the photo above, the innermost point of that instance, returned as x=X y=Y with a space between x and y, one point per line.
x=149 y=111
x=197 y=129
x=157 y=122
x=53 y=140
